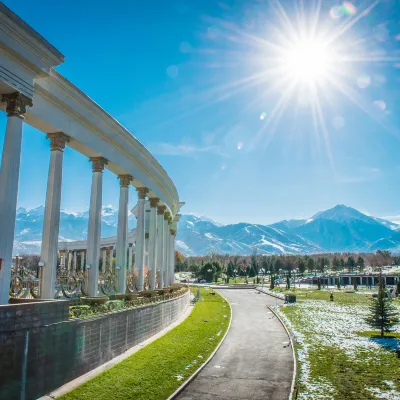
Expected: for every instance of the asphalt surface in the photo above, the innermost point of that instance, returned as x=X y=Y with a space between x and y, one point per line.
x=253 y=362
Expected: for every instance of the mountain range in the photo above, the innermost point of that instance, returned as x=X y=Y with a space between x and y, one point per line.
x=339 y=229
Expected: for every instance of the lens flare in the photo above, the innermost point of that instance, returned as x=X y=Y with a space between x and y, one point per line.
x=380 y=104
x=363 y=81
x=348 y=9
x=263 y=116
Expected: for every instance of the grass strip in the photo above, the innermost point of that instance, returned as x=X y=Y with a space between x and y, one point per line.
x=158 y=369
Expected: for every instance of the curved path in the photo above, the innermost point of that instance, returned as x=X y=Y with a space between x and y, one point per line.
x=252 y=363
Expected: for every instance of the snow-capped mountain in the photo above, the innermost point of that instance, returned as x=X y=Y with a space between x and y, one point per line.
x=338 y=229
x=73 y=226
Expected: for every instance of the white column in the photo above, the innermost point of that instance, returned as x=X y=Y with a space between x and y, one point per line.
x=122 y=232
x=51 y=223
x=146 y=250
x=140 y=230
x=82 y=266
x=9 y=177
x=160 y=244
x=153 y=242
x=69 y=260
x=172 y=255
x=166 y=250
x=74 y=260
x=94 y=227
x=103 y=259
x=130 y=256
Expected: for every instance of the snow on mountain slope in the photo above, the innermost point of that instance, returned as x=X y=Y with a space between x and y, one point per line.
x=340 y=229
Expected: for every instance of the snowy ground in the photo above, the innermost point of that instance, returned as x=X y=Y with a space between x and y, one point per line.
x=319 y=324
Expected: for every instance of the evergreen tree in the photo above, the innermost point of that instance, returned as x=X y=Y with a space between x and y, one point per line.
x=321 y=265
x=301 y=265
x=350 y=263
x=338 y=282
x=336 y=264
x=360 y=264
x=342 y=264
x=230 y=270
x=398 y=288
x=310 y=265
x=287 y=282
x=272 y=284
x=382 y=314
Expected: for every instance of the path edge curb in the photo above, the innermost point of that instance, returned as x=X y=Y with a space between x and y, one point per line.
x=293 y=388
x=197 y=372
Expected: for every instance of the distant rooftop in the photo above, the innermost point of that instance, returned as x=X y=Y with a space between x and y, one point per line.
x=23 y=25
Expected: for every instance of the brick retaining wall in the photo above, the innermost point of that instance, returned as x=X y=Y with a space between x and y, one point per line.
x=63 y=350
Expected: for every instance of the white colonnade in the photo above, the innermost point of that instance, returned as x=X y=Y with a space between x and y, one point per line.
x=33 y=92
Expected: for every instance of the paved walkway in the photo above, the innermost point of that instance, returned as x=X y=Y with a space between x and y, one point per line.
x=252 y=362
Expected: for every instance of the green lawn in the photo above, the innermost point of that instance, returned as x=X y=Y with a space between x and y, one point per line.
x=340 y=297
x=339 y=356
x=158 y=369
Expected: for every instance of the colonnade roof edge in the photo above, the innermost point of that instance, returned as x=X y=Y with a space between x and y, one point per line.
x=59 y=106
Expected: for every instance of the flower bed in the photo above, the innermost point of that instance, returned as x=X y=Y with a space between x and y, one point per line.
x=84 y=308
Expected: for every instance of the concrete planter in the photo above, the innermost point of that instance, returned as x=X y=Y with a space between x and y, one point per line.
x=148 y=293
x=95 y=300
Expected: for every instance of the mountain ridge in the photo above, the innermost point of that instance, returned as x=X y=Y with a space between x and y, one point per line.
x=338 y=229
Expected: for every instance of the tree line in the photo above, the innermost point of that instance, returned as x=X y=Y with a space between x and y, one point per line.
x=214 y=265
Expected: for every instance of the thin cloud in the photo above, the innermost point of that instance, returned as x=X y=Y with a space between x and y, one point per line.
x=365 y=174
x=183 y=150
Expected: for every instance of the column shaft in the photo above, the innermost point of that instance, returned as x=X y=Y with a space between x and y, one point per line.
x=160 y=245
x=82 y=266
x=9 y=177
x=94 y=227
x=130 y=257
x=172 y=256
x=140 y=232
x=122 y=233
x=165 y=252
x=153 y=242
x=51 y=223
x=74 y=266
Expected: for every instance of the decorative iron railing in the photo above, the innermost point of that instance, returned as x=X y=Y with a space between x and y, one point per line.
x=24 y=281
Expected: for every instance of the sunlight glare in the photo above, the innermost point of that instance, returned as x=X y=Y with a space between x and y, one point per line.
x=308 y=61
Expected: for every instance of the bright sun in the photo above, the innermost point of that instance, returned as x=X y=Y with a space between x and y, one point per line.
x=307 y=61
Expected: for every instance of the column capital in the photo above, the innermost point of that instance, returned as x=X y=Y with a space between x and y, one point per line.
x=130 y=244
x=146 y=235
x=16 y=104
x=125 y=180
x=167 y=216
x=98 y=163
x=58 y=140
x=161 y=210
x=154 y=201
x=173 y=232
x=142 y=191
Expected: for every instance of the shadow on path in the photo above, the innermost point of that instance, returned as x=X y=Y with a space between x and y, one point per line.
x=254 y=362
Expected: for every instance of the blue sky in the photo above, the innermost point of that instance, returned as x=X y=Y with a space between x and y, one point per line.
x=192 y=81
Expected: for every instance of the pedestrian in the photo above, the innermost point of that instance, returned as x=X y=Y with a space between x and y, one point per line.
x=331 y=296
